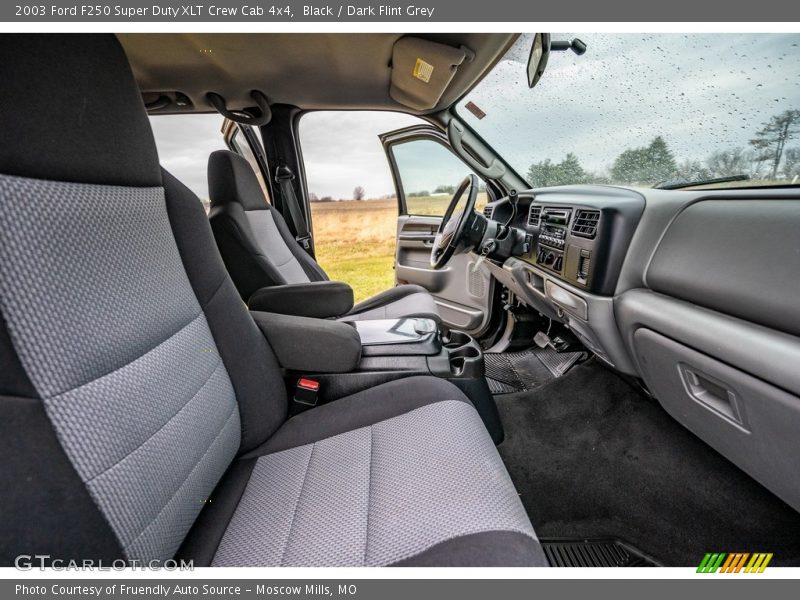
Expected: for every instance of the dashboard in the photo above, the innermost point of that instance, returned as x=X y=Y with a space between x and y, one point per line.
x=694 y=292
x=579 y=236
x=579 y=239
x=590 y=244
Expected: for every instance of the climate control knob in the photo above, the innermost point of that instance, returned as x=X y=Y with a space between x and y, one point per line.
x=550 y=258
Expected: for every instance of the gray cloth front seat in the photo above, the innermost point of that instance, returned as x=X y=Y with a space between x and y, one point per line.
x=142 y=412
x=260 y=251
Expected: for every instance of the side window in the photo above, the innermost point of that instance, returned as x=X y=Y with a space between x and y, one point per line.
x=240 y=145
x=184 y=144
x=430 y=173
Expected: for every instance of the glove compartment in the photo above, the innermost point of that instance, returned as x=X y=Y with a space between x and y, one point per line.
x=750 y=421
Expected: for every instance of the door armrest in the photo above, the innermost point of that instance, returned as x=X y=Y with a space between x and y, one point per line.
x=317 y=299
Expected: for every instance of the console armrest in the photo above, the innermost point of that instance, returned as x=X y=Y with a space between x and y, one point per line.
x=318 y=299
x=311 y=345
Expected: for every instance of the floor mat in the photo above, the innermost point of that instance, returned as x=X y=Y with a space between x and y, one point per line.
x=594 y=553
x=509 y=372
x=592 y=458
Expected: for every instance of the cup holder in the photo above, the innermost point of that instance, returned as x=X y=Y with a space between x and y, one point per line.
x=465 y=352
x=456 y=339
x=464 y=355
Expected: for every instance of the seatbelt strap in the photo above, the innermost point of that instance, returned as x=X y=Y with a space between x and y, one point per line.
x=284 y=178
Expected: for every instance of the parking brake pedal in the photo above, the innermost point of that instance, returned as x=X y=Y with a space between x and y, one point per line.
x=566 y=342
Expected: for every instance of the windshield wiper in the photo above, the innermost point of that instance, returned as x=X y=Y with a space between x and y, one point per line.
x=676 y=185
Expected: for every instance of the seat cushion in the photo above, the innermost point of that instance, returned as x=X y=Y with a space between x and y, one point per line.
x=395 y=303
x=425 y=486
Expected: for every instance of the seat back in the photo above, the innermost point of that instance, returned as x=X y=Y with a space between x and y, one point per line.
x=253 y=238
x=118 y=414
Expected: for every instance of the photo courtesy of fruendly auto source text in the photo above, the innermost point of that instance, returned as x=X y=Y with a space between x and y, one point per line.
x=377 y=300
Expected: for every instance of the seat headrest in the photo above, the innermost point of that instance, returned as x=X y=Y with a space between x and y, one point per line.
x=232 y=179
x=70 y=110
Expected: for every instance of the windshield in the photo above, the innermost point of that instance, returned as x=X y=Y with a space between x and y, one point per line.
x=648 y=110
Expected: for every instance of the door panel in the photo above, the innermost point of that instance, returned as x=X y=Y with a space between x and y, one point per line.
x=462 y=294
x=425 y=171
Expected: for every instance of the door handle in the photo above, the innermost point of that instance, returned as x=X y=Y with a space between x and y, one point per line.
x=713 y=393
x=426 y=238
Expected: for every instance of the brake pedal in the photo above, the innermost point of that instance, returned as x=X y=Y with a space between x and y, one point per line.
x=542 y=340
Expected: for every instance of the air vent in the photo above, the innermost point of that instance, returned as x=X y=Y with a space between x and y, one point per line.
x=534 y=215
x=585 y=224
x=488 y=211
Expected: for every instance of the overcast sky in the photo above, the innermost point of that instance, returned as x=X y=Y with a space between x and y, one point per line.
x=700 y=92
x=341 y=150
x=184 y=143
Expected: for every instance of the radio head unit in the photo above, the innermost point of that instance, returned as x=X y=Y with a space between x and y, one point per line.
x=556 y=216
x=552 y=238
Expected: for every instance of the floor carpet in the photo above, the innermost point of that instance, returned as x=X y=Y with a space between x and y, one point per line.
x=593 y=457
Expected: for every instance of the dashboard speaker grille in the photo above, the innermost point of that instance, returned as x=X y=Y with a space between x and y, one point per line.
x=534 y=215
x=585 y=224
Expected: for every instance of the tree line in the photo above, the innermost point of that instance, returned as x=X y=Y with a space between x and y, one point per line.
x=767 y=157
x=359 y=193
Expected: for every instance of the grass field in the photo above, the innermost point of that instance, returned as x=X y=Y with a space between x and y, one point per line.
x=355 y=241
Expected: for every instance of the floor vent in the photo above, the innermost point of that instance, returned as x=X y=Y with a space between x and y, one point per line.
x=594 y=553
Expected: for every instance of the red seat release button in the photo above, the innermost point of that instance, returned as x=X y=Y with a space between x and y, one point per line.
x=308 y=384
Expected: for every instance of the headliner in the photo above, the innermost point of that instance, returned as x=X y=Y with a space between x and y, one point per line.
x=311 y=71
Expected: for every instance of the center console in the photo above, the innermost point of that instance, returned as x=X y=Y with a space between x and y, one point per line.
x=393 y=349
x=398 y=337
x=553 y=238
x=568 y=241
x=449 y=354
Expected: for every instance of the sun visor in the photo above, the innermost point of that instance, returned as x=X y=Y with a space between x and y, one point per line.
x=422 y=70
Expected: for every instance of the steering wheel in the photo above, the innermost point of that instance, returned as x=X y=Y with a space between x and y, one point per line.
x=451 y=230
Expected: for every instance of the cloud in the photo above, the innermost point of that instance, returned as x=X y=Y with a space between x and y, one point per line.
x=184 y=143
x=341 y=150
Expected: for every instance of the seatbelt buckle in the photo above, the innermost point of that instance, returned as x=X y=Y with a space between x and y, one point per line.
x=306 y=391
x=304 y=241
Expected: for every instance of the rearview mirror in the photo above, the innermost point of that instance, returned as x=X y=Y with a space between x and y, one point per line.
x=537 y=60
x=540 y=53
